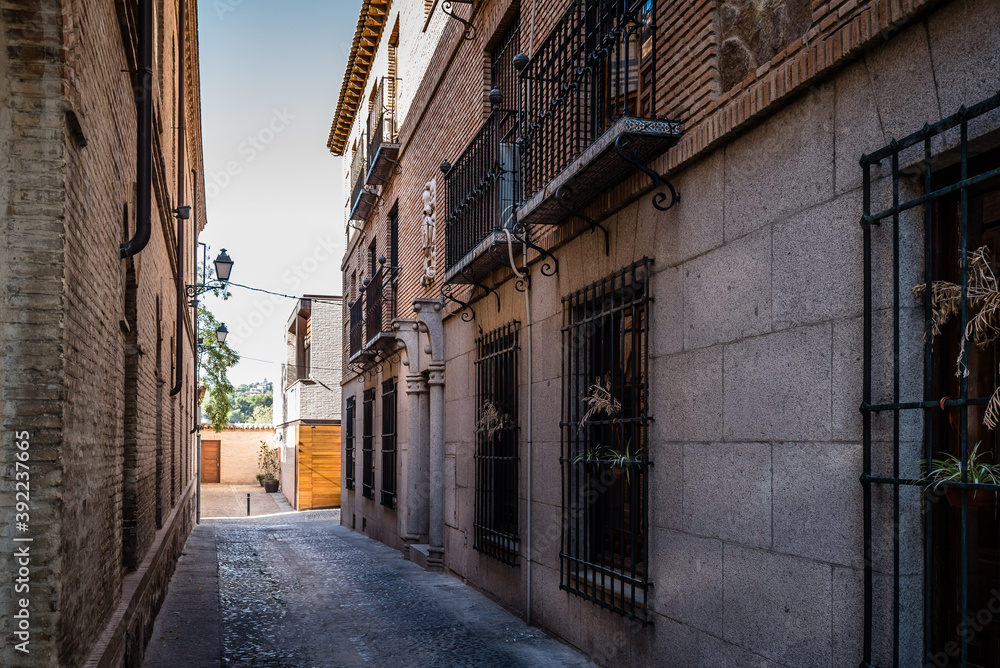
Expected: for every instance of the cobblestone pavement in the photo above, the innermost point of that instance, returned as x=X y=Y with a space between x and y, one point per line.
x=300 y=590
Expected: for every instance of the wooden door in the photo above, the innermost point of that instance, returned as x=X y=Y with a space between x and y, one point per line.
x=210 y=454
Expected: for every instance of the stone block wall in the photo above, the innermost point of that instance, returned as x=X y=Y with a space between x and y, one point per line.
x=88 y=339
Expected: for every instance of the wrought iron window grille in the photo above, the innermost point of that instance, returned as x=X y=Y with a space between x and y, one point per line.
x=368 y=444
x=605 y=454
x=349 y=443
x=357 y=326
x=389 y=443
x=922 y=412
x=495 y=529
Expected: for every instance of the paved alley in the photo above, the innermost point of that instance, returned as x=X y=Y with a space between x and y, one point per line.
x=300 y=590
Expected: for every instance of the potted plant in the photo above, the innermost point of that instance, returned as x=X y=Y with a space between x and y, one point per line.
x=601 y=402
x=260 y=479
x=268 y=461
x=950 y=469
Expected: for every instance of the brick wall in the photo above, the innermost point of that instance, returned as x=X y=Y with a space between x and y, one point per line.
x=87 y=367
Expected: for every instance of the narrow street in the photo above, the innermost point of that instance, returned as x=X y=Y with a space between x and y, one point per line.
x=301 y=590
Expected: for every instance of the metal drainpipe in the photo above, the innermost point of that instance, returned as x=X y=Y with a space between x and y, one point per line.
x=181 y=149
x=528 y=434
x=144 y=145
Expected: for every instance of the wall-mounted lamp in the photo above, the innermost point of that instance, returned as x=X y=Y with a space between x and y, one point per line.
x=183 y=212
x=221 y=333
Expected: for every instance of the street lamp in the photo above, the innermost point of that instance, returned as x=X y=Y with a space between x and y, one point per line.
x=223 y=266
x=221 y=333
x=223 y=270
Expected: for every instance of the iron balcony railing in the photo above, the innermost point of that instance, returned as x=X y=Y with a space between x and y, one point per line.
x=596 y=66
x=482 y=186
x=382 y=133
x=357 y=329
x=359 y=167
x=380 y=306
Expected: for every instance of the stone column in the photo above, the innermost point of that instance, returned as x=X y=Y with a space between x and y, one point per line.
x=407 y=334
x=435 y=557
x=416 y=387
x=429 y=315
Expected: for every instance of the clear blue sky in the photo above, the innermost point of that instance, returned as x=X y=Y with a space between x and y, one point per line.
x=270 y=78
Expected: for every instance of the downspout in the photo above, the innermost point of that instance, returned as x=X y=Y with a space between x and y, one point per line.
x=181 y=150
x=527 y=318
x=144 y=144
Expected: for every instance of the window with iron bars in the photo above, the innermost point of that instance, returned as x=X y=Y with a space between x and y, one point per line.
x=389 y=443
x=349 y=443
x=931 y=239
x=496 y=510
x=605 y=455
x=368 y=444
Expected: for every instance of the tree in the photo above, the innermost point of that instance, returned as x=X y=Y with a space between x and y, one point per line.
x=214 y=361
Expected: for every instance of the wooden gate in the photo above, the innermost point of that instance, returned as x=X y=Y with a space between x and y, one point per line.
x=210 y=454
x=319 y=466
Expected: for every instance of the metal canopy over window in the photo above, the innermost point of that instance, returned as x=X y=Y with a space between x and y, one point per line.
x=605 y=458
x=496 y=510
x=349 y=443
x=933 y=230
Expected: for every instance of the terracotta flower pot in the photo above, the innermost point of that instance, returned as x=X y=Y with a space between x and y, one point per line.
x=977 y=498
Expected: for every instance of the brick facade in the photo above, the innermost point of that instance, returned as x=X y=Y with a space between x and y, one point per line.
x=89 y=339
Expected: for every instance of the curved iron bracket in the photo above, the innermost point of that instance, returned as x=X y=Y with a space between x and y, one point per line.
x=522 y=234
x=564 y=196
x=625 y=145
x=469 y=313
x=522 y=284
x=482 y=286
x=448 y=8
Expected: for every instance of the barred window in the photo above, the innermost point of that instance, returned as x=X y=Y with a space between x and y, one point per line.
x=368 y=444
x=930 y=438
x=389 y=443
x=605 y=447
x=496 y=525
x=349 y=444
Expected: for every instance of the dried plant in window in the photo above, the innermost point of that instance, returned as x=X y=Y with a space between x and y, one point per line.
x=599 y=401
x=983 y=328
x=490 y=421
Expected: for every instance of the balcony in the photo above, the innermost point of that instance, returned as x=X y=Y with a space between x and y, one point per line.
x=383 y=134
x=482 y=191
x=357 y=329
x=380 y=309
x=371 y=332
x=363 y=197
x=588 y=108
